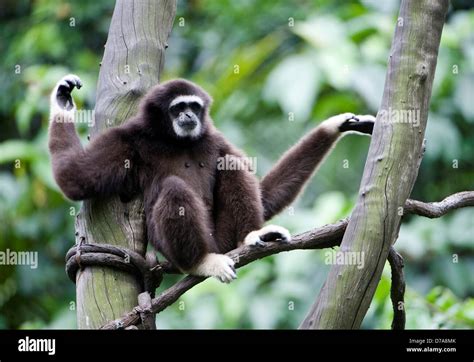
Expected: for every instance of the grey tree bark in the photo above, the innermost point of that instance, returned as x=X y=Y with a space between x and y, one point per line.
x=132 y=62
x=391 y=169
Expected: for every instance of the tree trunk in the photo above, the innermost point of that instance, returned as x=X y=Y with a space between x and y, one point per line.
x=132 y=62
x=391 y=169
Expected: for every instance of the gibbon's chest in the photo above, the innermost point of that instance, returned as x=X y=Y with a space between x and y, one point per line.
x=197 y=169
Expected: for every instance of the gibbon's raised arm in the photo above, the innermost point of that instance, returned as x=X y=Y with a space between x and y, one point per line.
x=102 y=168
x=288 y=177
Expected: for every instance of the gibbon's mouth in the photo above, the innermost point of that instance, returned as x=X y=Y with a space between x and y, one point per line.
x=188 y=125
x=187 y=128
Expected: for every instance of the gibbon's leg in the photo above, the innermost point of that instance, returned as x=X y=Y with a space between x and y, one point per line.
x=102 y=168
x=183 y=234
x=239 y=210
x=286 y=179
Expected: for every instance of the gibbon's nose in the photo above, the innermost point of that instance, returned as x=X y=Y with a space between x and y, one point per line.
x=187 y=121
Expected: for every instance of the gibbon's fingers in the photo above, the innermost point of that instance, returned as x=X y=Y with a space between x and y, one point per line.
x=70 y=81
x=359 y=123
x=365 y=117
x=64 y=88
x=334 y=123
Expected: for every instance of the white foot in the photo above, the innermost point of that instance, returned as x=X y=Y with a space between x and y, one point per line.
x=267 y=233
x=219 y=266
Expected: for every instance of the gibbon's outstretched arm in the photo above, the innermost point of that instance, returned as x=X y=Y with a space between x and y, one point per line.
x=99 y=170
x=287 y=178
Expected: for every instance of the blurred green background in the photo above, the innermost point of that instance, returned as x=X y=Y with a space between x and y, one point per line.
x=312 y=58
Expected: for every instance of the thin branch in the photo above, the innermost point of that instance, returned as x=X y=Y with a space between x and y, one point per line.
x=324 y=237
x=146 y=315
x=397 y=289
x=437 y=209
x=320 y=238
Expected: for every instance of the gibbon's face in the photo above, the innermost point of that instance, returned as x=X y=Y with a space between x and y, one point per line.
x=178 y=109
x=186 y=115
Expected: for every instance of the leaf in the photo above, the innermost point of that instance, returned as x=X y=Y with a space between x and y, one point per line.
x=321 y=32
x=463 y=98
x=336 y=55
x=244 y=63
x=368 y=81
x=24 y=114
x=443 y=139
x=329 y=206
x=294 y=84
x=461 y=229
x=16 y=150
x=42 y=170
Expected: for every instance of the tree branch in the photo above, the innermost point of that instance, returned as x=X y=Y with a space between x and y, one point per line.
x=397 y=290
x=437 y=209
x=324 y=237
x=132 y=63
x=391 y=167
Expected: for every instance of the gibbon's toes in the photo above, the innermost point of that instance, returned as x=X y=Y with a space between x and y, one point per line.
x=253 y=239
x=227 y=275
x=275 y=233
x=219 y=266
x=222 y=268
x=266 y=234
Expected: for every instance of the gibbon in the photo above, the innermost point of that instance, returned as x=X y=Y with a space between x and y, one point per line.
x=196 y=208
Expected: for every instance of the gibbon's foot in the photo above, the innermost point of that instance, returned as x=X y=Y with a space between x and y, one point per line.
x=268 y=233
x=219 y=266
x=64 y=88
x=360 y=123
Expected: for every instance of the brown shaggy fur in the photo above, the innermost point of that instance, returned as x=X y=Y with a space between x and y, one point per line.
x=192 y=208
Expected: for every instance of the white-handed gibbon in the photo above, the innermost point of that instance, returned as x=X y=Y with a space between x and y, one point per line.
x=169 y=151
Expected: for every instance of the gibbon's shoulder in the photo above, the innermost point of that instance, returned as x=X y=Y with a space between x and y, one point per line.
x=224 y=145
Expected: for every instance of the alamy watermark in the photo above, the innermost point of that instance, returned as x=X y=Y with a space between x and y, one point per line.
x=234 y=163
x=11 y=257
x=344 y=258
x=86 y=116
x=408 y=116
x=28 y=344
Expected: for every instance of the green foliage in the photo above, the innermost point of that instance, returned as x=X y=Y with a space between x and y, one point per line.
x=271 y=82
x=440 y=308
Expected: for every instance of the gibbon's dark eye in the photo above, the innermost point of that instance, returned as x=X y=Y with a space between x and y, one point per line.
x=177 y=108
x=195 y=106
